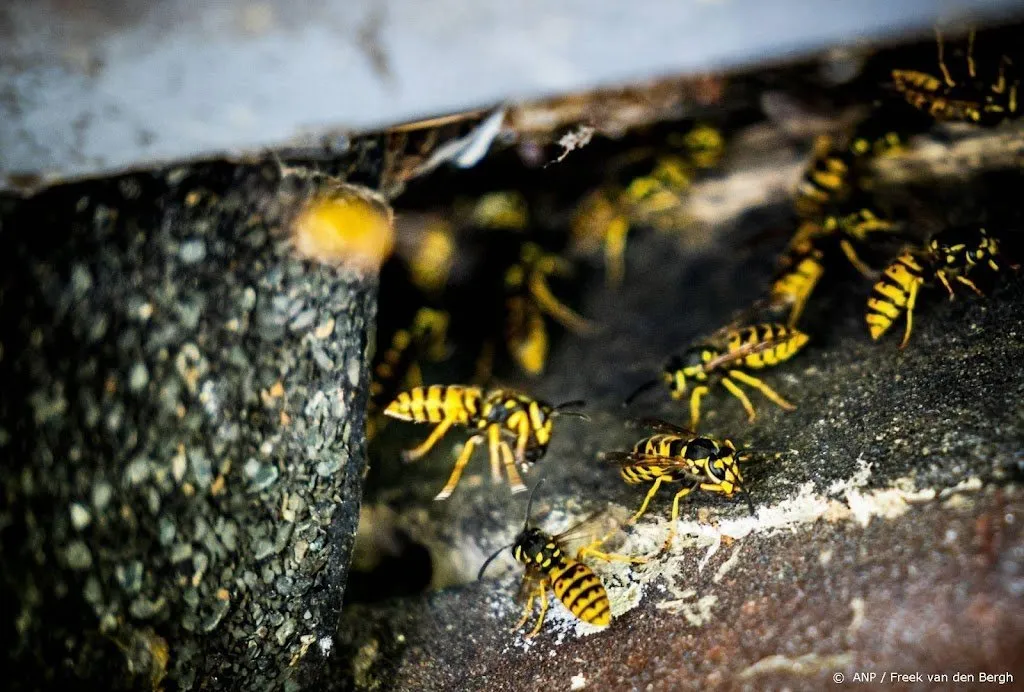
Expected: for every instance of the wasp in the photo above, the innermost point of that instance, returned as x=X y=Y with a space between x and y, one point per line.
x=792 y=287
x=725 y=358
x=398 y=365
x=528 y=299
x=973 y=99
x=848 y=231
x=497 y=415
x=678 y=455
x=652 y=195
x=548 y=566
x=836 y=167
x=949 y=255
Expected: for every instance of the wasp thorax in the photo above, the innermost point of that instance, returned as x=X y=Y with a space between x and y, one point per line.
x=701 y=448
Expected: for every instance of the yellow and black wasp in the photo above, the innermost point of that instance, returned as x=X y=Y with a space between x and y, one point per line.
x=949 y=255
x=549 y=566
x=973 y=99
x=678 y=455
x=528 y=299
x=838 y=165
x=726 y=357
x=650 y=192
x=496 y=414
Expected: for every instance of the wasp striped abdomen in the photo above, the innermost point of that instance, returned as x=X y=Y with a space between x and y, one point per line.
x=793 y=286
x=893 y=295
x=780 y=344
x=437 y=403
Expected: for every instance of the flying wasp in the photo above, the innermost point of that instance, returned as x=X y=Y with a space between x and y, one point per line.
x=548 y=566
x=951 y=254
x=497 y=415
x=528 y=299
x=973 y=99
x=725 y=358
x=678 y=455
x=652 y=194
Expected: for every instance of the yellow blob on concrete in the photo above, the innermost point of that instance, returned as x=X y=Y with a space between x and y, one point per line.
x=346 y=225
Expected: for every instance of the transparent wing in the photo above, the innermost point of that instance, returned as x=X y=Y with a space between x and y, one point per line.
x=680 y=467
x=532 y=580
x=744 y=351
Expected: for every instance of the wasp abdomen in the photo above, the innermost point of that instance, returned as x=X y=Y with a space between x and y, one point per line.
x=581 y=592
x=893 y=294
x=436 y=403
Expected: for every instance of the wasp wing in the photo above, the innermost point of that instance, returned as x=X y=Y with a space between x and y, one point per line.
x=747 y=350
x=682 y=468
x=533 y=580
x=598 y=527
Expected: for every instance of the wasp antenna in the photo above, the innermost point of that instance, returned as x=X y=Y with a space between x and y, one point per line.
x=488 y=561
x=575 y=403
x=650 y=384
x=560 y=410
x=529 y=503
x=746 y=451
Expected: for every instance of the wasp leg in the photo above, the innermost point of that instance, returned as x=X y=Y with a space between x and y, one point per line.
x=945 y=282
x=970 y=284
x=970 y=54
x=494 y=453
x=565 y=316
x=522 y=439
x=911 y=302
x=428 y=444
x=453 y=480
x=698 y=392
x=647 y=500
x=615 y=250
x=855 y=260
x=675 y=516
x=514 y=480
x=527 y=610
x=735 y=487
x=738 y=393
x=592 y=550
x=942 y=62
x=763 y=388
x=543 y=611
x=796 y=311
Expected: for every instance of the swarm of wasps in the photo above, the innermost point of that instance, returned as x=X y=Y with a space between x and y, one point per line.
x=837 y=224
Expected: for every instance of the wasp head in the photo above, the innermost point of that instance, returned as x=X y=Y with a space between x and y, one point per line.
x=530 y=544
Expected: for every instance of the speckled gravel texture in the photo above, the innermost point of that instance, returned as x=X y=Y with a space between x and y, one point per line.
x=182 y=407
x=901 y=548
